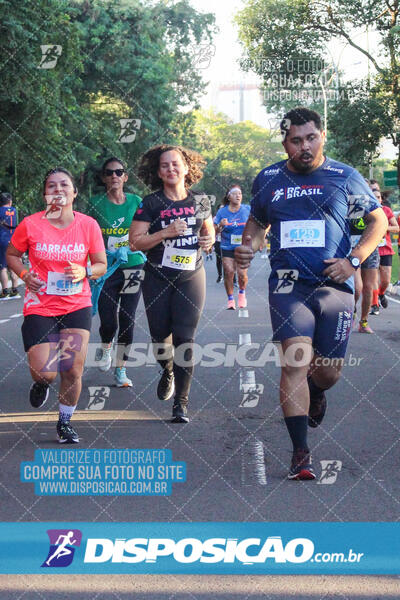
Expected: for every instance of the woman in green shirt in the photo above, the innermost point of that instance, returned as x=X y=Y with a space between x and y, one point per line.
x=114 y=211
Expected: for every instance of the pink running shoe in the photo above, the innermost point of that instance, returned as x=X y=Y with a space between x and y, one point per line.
x=231 y=305
x=242 y=302
x=364 y=327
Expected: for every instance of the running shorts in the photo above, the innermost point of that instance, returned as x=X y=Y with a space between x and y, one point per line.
x=36 y=329
x=324 y=314
x=228 y=253
x=372 y=261
x=3 y=249
x=386 y=260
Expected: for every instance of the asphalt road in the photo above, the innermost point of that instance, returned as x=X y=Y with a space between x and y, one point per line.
x=236 y=447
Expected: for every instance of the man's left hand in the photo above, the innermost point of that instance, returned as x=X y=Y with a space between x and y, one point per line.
x=339 y=269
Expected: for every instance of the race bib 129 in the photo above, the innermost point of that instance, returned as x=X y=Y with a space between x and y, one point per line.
x=303 y=234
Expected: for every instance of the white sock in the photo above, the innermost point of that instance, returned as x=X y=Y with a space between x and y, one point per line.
x=65 y=412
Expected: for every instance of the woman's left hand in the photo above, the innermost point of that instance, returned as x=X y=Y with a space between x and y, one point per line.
x=75 y=272
x=206 y=242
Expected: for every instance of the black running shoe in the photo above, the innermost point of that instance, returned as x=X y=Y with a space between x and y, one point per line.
x=38 y=394
x=166 y=385
x=374 y=310
x=383 y=300
x=179 y=414
x=66 y=434
x=14 y=293
x=219 y=279
x=301 y=469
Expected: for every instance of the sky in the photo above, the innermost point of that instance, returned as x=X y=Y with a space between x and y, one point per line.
x=223 y=67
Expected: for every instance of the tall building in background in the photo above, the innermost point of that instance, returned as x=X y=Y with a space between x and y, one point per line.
x=240 y=101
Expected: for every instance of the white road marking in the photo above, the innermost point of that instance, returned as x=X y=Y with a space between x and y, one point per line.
x=244 y=339
x=259 y=462
x=253 y=463
x=248 y=379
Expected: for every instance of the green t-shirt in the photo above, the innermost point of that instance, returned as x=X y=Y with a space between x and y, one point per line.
x=114 y=221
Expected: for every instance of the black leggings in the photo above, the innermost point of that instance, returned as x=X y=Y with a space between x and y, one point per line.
x=117 y=306
x=218 y=256
x=173 y=311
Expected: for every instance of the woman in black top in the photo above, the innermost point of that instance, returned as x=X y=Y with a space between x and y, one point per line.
x=173 y=225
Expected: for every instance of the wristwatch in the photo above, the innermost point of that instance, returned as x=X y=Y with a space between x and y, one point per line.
x=89 y=272
x=354 y=261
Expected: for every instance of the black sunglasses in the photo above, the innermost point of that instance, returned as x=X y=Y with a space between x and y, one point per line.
x=118 y=172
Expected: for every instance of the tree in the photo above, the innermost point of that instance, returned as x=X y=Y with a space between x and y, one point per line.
x=34 y=100
x=282 y=33
x=235 y=152
x=131 y=61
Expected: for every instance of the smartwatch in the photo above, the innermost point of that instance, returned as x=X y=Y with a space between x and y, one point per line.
x=354 y=261
x=89 y=272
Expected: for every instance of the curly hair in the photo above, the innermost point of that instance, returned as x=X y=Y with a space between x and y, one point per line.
x=150 y=162
x=225 y=199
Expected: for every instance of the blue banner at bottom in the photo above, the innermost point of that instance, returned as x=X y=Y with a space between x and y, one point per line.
x=201 y=548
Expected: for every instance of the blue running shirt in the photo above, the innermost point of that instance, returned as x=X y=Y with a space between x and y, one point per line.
x=8 y=222
x=309 y=216
x=231 y=235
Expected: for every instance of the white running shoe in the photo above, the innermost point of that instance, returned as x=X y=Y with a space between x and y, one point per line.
x=103 y=358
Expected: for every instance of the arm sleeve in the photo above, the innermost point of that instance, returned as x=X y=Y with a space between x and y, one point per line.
x=144 y=212
x=389 y=212
x=217 y=217
x=258 y=208
x=20 y=237
x=360 y=197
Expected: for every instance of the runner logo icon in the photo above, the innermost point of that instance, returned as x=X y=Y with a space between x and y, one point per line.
x=50 y=54
x=330 y=470
x=287 y=279
x=62 y=351
x=358 y=205
x=98 y=396
x=129 y=129
x=277 y=194
x=133 y=280
x=202 y=55
x=62 y=547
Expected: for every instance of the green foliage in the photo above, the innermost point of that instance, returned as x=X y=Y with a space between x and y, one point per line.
x=277 y=33
x=120 y=60
x=358 y=122
x=235 y=152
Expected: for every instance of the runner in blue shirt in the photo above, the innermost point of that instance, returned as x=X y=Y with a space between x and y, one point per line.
x=229 y=222
x=308 y=201
x=8 y=223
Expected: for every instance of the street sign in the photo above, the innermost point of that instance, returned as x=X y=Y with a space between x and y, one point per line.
x=390 y=178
